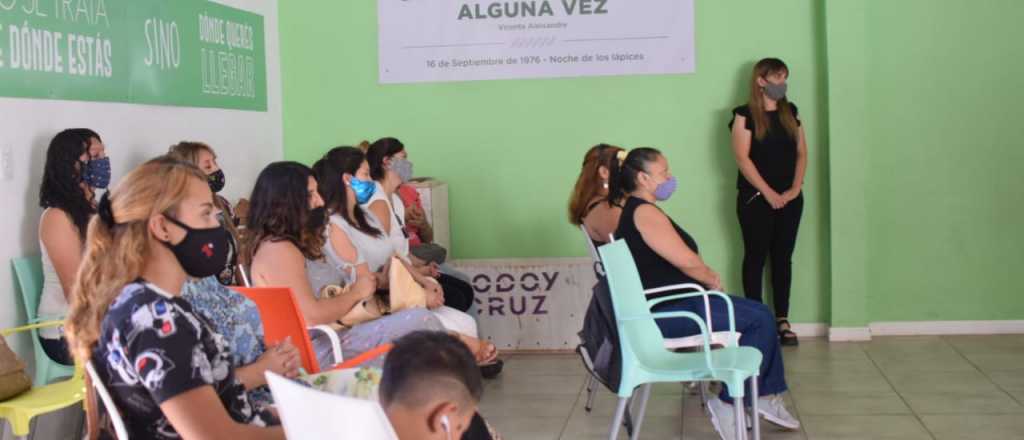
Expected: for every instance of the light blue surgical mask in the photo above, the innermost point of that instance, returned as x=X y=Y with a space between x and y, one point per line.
x=364 y=189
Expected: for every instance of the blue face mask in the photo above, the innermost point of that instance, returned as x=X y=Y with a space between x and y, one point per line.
x=97 y=173
x=364 y=189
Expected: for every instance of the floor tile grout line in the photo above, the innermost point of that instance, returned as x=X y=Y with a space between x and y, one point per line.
x=572 y=409
x=903 y=399
x=792 y=396
x=985 y=373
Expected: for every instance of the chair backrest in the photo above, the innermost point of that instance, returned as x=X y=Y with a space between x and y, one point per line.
x=637 y=337
x=108 y=402
x=311 y=414
x=282 y=319
x=598 y=266
x=29 y=273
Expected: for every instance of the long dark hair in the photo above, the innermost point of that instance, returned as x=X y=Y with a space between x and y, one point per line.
x=279 y=211
x=763 y=69
x=379 y=150
x=62 y=177
x=623 y=174
x=329 y=171
x=588 y=184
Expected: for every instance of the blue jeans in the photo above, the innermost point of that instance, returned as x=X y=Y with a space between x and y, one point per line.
x=753 y=320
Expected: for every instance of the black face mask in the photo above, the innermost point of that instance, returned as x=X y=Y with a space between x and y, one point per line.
x=216 y=181
x=317 y=219
x=203 y=252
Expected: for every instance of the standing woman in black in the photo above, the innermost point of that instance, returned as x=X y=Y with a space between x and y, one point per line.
x=771 y=152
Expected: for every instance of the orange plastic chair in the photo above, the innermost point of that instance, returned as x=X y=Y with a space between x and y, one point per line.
x=282 y=319
x=374 y=353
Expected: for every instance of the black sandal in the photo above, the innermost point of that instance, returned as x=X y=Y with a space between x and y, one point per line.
x=786 y=335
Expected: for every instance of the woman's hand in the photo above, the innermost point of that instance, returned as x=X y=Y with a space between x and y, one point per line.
x=430 y=269
x=715 y=283
x=774 y=199
x=364 y=287
x=791 y=194
x=381 y=279
x=435 y=295
x=415 y=217
x=282 y=359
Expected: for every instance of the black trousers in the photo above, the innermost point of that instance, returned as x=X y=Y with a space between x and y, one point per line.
x=458 y=294
x=768 y=233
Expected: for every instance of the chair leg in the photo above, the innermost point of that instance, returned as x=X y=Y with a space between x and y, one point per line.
x=591 y=391
x=627 y=419
x=638 y=419
x=620 y=412
x=741 y=421
x=704 y=395
x=755 y=417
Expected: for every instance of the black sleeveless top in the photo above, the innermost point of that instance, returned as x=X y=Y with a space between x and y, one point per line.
x=655 y=271
x=590 y=207
x=774 y=156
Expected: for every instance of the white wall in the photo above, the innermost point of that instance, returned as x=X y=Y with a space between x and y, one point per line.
x=245 y=142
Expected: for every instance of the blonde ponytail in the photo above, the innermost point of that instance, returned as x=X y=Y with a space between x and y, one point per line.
x=117 y=245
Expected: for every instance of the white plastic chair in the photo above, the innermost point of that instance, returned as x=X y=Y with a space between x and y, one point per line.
x=309 y=414
x=108 y=403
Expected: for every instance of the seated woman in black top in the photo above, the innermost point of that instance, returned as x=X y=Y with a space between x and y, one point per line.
x=665 y=254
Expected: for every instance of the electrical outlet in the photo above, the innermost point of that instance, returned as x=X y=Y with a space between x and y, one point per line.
x=6 y=163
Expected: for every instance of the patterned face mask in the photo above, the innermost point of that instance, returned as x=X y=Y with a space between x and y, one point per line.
x=216 y=181
x=97 y=173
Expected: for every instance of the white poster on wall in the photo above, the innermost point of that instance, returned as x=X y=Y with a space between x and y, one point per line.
x=464 y=40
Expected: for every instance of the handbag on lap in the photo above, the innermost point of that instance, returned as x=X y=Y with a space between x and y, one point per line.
x=403 y=293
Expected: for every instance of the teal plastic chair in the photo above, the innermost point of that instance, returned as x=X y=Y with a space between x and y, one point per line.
x=28 y=271
x=645 y=359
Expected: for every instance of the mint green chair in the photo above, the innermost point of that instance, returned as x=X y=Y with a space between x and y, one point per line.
x=28 y=271
x=645 y=360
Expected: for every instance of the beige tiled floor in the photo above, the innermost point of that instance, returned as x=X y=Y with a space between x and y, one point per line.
x=951 y=387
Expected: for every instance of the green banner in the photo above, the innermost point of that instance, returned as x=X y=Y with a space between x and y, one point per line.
x=191 y=53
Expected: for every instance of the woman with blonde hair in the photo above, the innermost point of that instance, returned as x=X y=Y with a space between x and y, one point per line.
x=233 y=315
x=168 y=372
x=203 y=157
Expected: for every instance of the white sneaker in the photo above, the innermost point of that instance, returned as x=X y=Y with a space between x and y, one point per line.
x=773 y=409
x=723 y=418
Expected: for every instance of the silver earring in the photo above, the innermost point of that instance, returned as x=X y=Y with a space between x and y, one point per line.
x=605 y=185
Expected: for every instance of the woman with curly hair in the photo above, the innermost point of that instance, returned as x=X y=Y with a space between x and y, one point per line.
x=76 y=166
x=285 y=241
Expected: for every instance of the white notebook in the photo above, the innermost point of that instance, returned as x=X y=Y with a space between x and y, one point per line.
x=309 y=414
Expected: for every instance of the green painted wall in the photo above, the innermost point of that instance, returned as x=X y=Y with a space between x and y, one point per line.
x=847 y=127
x=944 y=181
x=510 y=150
x=924 y=166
